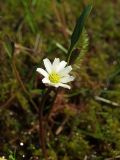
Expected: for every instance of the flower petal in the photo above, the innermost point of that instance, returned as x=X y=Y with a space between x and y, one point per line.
x=47 y=64
x=67 y=79
x=45 y=80
x=61 y=65
x=64 y=85
x=65 y=71
x=42 y=71
x=56 y=85
x=55 y=63
x=53 y=84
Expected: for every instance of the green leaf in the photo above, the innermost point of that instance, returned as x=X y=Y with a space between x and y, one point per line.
x=29 y=17
x=36 y=91
x=9 y=47
x=23 y=102
x=74 y=55
x=79 y=28
x=11 y=156
x=77 y=57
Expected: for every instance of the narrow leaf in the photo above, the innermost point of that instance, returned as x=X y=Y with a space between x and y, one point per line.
x=9 y=47
x=79 y=25
x=79 y=28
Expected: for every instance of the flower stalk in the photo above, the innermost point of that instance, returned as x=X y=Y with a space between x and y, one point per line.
x=56 y=75
x=42 y=124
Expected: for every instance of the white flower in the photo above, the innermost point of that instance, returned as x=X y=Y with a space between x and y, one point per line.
x=56 y=74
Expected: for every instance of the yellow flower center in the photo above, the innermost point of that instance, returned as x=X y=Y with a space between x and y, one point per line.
x=54 y=77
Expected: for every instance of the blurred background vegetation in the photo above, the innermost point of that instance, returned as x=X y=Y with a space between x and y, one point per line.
x=85 y=121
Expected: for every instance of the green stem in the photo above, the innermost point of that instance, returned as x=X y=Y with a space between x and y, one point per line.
x=69 y=54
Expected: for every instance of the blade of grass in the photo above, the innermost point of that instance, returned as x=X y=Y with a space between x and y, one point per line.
x=78 y=29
